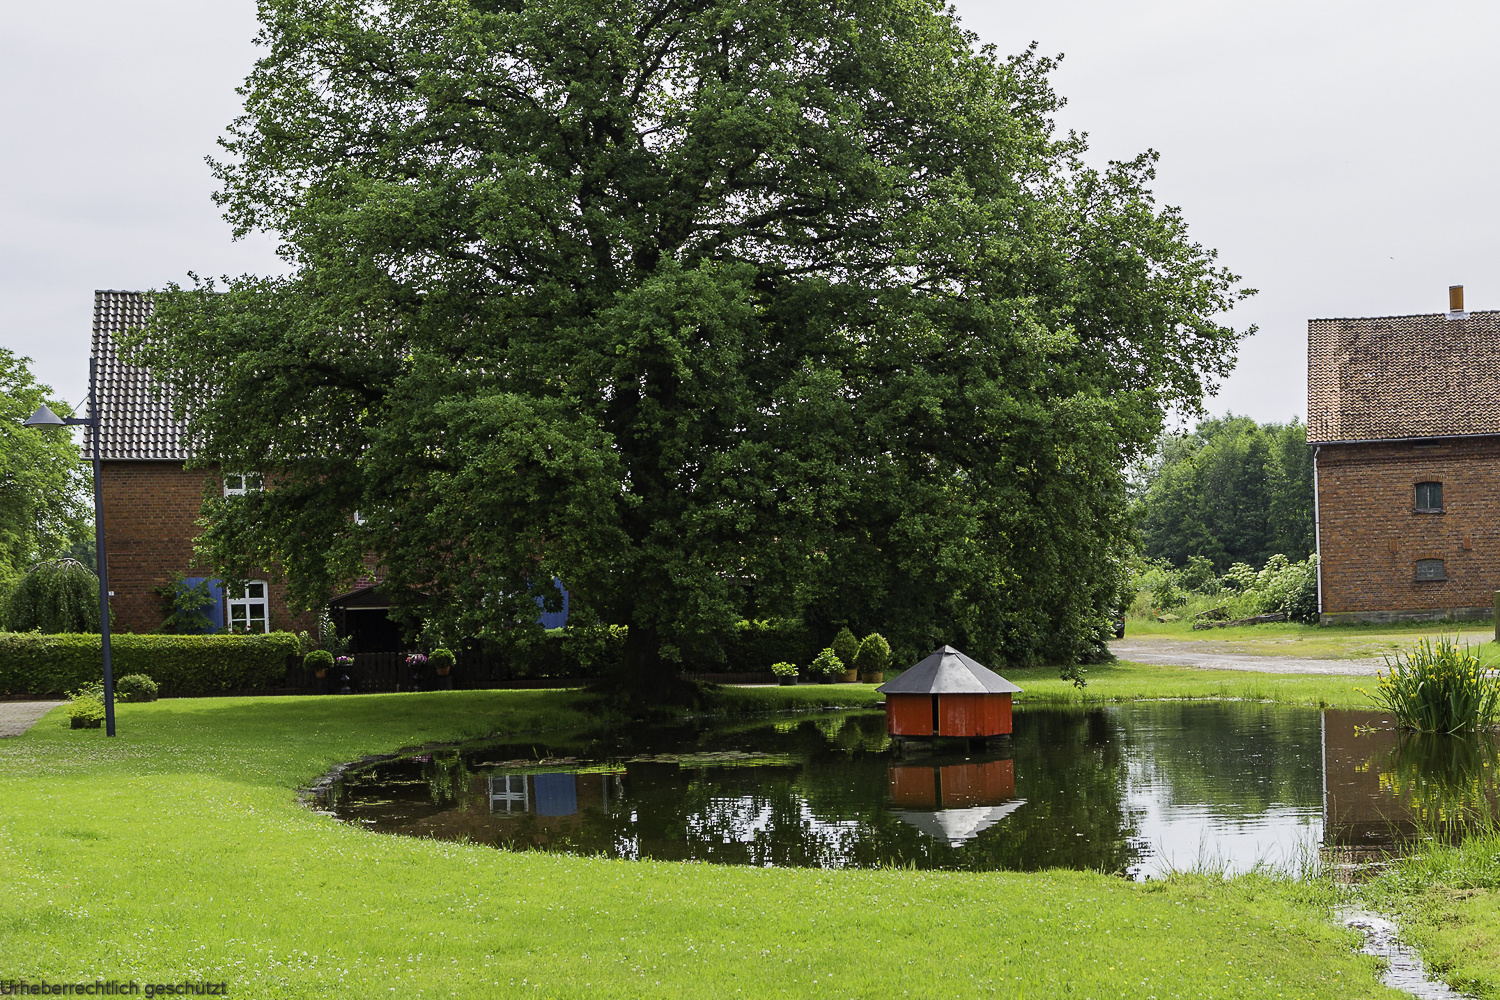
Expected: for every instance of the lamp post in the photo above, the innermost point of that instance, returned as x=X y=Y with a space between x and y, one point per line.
x=44 y=417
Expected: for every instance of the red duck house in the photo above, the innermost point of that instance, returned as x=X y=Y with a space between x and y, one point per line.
x=948 y=694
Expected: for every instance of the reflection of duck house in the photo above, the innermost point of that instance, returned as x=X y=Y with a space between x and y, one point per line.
x=948 y=695
x=954 y=802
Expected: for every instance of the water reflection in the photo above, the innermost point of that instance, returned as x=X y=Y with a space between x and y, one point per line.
x=1385 y=787
x=1136 y=789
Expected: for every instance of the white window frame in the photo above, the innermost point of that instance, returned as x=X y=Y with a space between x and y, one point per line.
x=237 y=484
x=246 y=603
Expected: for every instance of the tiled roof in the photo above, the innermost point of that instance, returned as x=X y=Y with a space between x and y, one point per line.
x=135 y=418
x=1394 y=377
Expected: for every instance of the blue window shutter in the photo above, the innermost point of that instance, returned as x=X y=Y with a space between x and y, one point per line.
x=554 y=619
x=215 y=611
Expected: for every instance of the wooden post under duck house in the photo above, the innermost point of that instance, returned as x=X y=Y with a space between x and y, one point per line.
x=948 y=694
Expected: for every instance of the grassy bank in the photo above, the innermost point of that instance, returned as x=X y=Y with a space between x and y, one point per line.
x=1109 y=682
x=1448 y=903
x=178 y=851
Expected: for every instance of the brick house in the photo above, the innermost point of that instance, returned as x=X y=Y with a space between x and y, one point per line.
x=1404 y=416
x=151 y=501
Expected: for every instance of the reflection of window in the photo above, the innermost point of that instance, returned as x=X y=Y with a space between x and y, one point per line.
x=508 y=793
x=1429 y=496
x=1430 y=569
x=248 y=611
x=239 y=485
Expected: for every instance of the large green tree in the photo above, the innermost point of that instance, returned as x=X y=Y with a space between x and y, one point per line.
x=43 y=486
x=710 y=308
x=1231 y=491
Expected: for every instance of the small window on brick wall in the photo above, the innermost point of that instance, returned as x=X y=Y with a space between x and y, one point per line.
x=238 y=485
x=1429 y=496
x=1430 y=569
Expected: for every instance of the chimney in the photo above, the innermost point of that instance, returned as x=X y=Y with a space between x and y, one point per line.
x=1456 y=302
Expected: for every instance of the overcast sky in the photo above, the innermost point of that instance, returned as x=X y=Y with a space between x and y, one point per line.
x=1334 y=153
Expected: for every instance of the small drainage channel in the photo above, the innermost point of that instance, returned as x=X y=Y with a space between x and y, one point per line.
x=1403 y=966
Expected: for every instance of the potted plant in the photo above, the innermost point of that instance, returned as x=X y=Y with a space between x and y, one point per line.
x=873 y=658
x=826 y=667
x=318 y=661
x=786 y=673
x=442 y=661
x=86 y=706
x=846 y=647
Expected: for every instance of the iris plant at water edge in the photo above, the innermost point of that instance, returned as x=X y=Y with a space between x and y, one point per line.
x=1439 y=688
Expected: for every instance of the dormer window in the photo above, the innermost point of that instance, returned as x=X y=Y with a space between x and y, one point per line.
x=1429 y=497
x=240 y=484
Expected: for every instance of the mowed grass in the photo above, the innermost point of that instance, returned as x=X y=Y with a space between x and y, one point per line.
x=1107 y=682
x=1332 y=642
x=178 y=851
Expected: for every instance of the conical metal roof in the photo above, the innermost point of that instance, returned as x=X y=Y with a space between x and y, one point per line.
x=948 y=671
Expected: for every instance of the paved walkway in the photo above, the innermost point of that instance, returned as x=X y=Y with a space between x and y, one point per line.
x=1193 y=653
x=18 y=716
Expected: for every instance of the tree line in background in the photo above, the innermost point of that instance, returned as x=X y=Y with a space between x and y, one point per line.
x=1225 y=518
x=46 y=522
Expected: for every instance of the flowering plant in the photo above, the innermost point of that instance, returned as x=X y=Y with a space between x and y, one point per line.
x=1438 y=688
x=416 y=659
x=343 y=661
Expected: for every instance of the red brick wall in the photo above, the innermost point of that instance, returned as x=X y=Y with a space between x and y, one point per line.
x=1371 y=535
x=150 y=521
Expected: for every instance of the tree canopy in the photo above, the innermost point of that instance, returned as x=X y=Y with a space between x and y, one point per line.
x=43 y=486
x=710 y=309
x=1232 y=491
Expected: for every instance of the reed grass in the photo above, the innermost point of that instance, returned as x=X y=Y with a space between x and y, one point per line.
x=1439 y=687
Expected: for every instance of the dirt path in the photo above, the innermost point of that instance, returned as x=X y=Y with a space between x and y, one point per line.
x=18 y=716
x=1204 y=655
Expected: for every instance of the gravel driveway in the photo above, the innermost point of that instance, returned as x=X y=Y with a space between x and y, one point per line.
x=1201 y=654
x=18 y=716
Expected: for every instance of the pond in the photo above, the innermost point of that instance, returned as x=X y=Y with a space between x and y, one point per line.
x=1137 y=789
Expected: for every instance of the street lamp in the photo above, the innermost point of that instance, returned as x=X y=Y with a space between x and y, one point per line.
x=44 y=417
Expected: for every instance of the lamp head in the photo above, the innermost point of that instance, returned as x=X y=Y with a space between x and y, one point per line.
x=44 y=417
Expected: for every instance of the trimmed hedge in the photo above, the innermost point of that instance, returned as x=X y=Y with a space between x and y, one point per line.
x=35 y=664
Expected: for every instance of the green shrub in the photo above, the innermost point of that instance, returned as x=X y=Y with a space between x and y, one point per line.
x=845 y=646
x=784 y=669
x=136 y=687
x=1439 y=688
x=442 y=659
x=826 y=664
x=318 y=659
x=85 y=713
x=57 y=596
x=874 y=655
x=40 y=665
x=755 y=644
x=328 y=636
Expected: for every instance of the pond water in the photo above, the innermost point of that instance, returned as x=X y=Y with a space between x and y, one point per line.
x=1137 y=789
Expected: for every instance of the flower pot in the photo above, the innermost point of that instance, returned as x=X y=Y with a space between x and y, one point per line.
x=878 y=677
x=320 y=674
x=787 y=681
x=443 y=671
x=825 y=678
x=850 y=676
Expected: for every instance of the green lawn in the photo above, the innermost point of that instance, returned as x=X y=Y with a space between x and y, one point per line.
x=178 y=851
